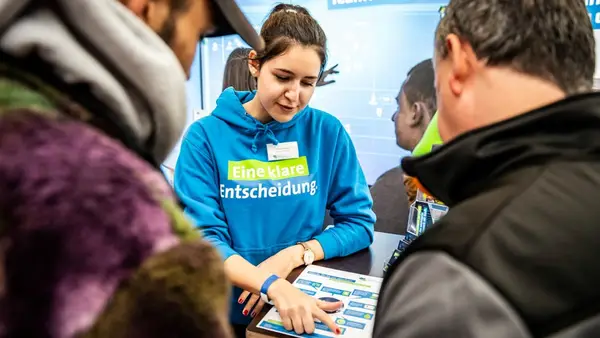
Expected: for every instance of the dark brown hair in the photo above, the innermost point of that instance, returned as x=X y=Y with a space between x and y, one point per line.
x=420 y=86
x=236 y=73
x=288 y=25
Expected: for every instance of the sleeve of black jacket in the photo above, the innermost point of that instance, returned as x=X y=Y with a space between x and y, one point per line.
x=433 y=295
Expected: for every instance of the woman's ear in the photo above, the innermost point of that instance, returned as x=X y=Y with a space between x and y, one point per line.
x=253 y=64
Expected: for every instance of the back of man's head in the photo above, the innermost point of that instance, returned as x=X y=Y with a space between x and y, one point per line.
x=416 y=104
x=514 y=55
x=418 y=85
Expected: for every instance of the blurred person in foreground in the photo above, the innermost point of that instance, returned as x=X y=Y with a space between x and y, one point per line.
x=517 y=253
x=92 y=99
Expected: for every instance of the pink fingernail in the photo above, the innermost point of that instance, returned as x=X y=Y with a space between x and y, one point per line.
x=253 y=314
x=240 y=301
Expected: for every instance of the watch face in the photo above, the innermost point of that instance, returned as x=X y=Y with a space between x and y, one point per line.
x=309 y=257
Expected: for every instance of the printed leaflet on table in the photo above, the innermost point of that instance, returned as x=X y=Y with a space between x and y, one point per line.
x=359 y=293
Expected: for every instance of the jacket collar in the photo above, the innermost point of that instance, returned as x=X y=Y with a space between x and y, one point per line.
x=568 y=129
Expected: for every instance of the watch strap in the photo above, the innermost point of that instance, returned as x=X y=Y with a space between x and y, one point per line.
x=304 y=245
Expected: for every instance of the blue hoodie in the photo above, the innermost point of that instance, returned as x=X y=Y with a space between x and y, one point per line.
x=247 y=205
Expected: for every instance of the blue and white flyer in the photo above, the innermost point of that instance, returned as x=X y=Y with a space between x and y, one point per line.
x=359 y=293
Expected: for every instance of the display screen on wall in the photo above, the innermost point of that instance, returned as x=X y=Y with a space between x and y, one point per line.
x=194 y=102
x=374 y=45
x=375 y=42
x=593 y=7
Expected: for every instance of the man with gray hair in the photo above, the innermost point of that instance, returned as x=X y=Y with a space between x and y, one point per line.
x=517 y=253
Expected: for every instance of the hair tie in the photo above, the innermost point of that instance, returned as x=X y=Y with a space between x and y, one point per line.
x=291 y=10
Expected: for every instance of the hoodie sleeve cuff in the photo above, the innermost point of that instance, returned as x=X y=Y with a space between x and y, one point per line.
x=224 y=249
x=330 y=243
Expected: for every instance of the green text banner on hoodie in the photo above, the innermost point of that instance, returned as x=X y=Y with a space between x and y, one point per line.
x=253 y=207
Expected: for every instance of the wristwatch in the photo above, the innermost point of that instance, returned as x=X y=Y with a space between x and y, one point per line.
x=308 y=256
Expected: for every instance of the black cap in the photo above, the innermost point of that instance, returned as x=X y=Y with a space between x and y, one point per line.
x=229 y=19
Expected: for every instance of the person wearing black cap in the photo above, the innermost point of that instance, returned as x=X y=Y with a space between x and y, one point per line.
x=181 y=22
x=92 y=99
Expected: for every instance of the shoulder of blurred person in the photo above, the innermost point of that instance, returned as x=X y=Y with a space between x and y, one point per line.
x=88 y=225
x=516 y=254
x=390 y=202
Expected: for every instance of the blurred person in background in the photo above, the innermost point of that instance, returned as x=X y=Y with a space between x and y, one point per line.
x=92 y=99
x=416 y=105
x=237 y=74
x=393 y=191
x=517 y=253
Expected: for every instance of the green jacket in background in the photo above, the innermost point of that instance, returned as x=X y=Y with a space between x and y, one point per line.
x=430 y=138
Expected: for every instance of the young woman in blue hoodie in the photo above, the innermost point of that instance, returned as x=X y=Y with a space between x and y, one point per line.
x=259 y=173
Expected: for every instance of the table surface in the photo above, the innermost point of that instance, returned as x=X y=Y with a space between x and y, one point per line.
x=367 y=262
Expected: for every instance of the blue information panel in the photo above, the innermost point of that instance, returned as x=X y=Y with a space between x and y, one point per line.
x=344 y=4
x=374 y=43
x=593 y=7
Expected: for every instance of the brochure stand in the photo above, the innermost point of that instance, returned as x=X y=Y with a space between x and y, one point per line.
x=424 y=212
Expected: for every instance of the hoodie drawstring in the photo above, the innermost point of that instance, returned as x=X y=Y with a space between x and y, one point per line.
x=262 y=129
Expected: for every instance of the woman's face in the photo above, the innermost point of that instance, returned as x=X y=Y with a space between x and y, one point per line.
x=287 y=82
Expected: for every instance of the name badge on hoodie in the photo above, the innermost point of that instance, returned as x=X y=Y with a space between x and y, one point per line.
x=282 y=151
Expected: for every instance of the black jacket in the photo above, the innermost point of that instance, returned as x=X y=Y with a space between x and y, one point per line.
x=518 y=254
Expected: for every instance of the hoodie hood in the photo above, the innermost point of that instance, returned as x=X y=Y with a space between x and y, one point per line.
x=231 y=110
x=103 y=45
